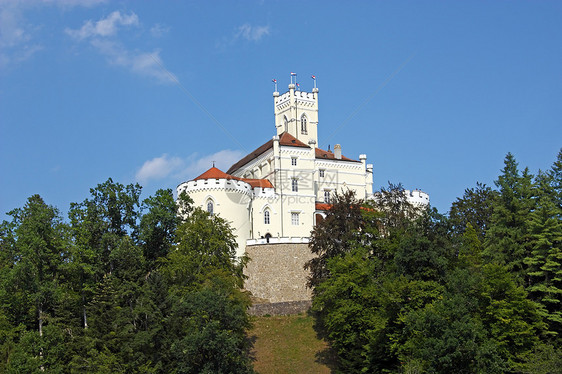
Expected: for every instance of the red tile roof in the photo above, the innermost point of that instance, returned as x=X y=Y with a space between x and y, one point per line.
x=320 y=153
x=285 y=139
x=323 y=206
x=255 y=154
x=215 y=173
x=263 y=183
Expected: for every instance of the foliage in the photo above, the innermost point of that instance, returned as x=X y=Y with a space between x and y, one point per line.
x=99 y=293
x=476 y=292
x=334 y=236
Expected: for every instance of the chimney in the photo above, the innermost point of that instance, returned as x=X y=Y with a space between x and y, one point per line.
x=337 y=151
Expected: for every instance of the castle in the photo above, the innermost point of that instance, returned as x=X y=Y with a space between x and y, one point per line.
x=275 y=195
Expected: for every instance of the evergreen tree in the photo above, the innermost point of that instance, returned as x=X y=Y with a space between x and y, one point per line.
x=474 y=208
x=545 y=260
x=32 y=281
x=507 y=239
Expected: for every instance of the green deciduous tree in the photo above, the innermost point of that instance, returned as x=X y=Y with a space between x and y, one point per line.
x=335 y=235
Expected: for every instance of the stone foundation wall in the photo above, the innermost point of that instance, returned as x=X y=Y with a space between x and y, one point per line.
x=275 y=272
x=280 y=309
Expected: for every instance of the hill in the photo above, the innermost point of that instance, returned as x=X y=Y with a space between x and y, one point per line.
x=289 y=344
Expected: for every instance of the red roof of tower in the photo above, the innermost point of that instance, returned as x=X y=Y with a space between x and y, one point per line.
x=215 y=173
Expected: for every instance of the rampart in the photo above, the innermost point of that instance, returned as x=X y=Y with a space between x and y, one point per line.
x=275 y=272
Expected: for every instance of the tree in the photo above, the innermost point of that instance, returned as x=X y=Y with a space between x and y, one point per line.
x=32 y=281
x=507 y=237
x=448 y=334
x=334 y=236
x=474 y=208
x=158 y=225
x=544 y=263
x=99 y=224
x=206 y=321
x=390 y=266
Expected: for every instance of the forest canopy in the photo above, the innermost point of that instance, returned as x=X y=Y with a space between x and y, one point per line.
x=123 y=286
x=154 y=285
x=400 y=289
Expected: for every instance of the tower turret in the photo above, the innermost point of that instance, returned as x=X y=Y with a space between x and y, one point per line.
x=296 y=112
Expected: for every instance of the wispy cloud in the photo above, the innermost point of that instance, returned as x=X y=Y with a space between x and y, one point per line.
x=103 y=36
x=158 y=168
x=104 y=27
x=247 y=32
x=180 y=169
x=17 y=35
x=158 y=30
x=251 y=33
x=143 y=63
x=16 y=44
x=73 y=3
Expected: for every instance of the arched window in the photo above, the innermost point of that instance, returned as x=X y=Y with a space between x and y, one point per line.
x=286 y=123
x=266 y=217
x=210 y=207
x=303 y=124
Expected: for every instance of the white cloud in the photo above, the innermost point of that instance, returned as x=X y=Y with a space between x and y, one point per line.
x=17 y=35
x=158 y=30
x=184 y=169
x=222 y=159
x=142 y=63
x=104 y=27
x=72 y=3
x=251 y=33
x=158 y=168
x=16 y=43
x=102 y=35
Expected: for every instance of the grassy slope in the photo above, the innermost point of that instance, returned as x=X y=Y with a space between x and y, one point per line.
x=288 y=344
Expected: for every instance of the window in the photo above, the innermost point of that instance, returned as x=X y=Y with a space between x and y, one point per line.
x=327 y=197
x=295 y=185
x=286 y=123
x=303 y=124
x=295 y=219
x=322 y=173
x=266 y=217
x=294 y=161
x=210 y=207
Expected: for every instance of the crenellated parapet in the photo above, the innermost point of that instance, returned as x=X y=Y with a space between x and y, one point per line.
x=230 y=185
x=417 y=197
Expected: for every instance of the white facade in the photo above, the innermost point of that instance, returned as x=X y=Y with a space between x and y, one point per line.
x=277 y=192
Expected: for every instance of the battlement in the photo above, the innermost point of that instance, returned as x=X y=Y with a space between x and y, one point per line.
x=282 y=98
x=231 y=185
x=417 y=197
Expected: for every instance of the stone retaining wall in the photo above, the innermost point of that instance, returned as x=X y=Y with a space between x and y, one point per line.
x=275 y=272
x=280 y=309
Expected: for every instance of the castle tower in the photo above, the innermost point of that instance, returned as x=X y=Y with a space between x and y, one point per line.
x=296 y=112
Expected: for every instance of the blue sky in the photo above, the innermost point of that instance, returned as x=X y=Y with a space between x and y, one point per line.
x=435 y=93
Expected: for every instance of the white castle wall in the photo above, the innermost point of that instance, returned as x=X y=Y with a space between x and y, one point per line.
x=231 y=200
x=417 y=197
